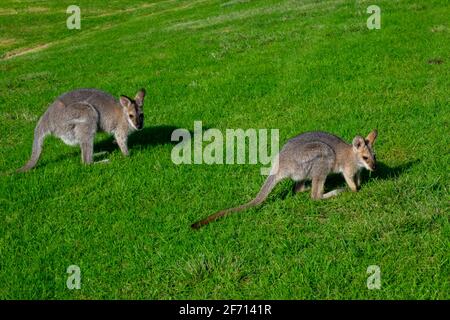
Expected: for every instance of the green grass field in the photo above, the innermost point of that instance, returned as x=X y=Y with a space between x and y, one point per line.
x=295 y=65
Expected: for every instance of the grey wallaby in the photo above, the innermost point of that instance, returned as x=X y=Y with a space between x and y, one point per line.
x=313 y=156
x=76 y=116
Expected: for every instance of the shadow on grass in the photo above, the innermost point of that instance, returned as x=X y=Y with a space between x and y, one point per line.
x=147 y=137
x=384 y=172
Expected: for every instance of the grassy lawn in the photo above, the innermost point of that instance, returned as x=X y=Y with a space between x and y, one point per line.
x=294 y=65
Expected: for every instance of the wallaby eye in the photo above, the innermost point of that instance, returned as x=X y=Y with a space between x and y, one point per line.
x=365 y=158
x=131 y=116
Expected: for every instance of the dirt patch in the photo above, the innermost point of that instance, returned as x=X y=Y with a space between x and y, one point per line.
x=232 y=2
x=283 y=7
x=133 y=9
x=36 y=9
x=439 y=28
x=19 y=115
x=22 y=51
x=34 y=75
x=7 y=42
x=7 y=12
x=436 y=61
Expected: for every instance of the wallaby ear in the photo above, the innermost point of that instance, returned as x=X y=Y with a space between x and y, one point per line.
x=372 y=137
x=140 y=97
x=124 y=101
x=358 y=142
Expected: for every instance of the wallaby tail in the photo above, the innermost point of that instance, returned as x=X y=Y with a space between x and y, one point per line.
x=262 y=195
x=40 y=132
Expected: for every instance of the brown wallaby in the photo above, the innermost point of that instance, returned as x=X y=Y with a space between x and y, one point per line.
x=313 y=156
x=77 y=115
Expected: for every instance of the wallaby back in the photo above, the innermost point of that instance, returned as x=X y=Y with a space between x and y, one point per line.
x=107 y=106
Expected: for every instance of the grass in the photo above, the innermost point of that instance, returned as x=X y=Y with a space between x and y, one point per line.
x=292 y=65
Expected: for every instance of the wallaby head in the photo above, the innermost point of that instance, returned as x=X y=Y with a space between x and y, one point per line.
x=133 y=109
x=363 y=149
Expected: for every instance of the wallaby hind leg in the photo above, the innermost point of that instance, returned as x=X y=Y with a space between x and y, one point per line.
x=85 y=121
x=85 y=134
x=99 y=154
x=332 y=193
x=300 y=186
x=317 y=187
x=87 y=151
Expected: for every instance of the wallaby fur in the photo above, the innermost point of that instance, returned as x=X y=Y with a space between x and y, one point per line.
x=313 y=156
x=76 y=116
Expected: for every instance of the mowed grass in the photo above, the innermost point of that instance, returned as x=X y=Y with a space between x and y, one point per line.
x=291 y=65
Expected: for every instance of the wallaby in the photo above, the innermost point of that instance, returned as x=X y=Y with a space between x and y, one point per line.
x=313 y=156
x=77 y=115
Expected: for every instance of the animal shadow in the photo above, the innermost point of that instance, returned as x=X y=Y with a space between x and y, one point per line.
x=145 y=138
x=382 y=172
